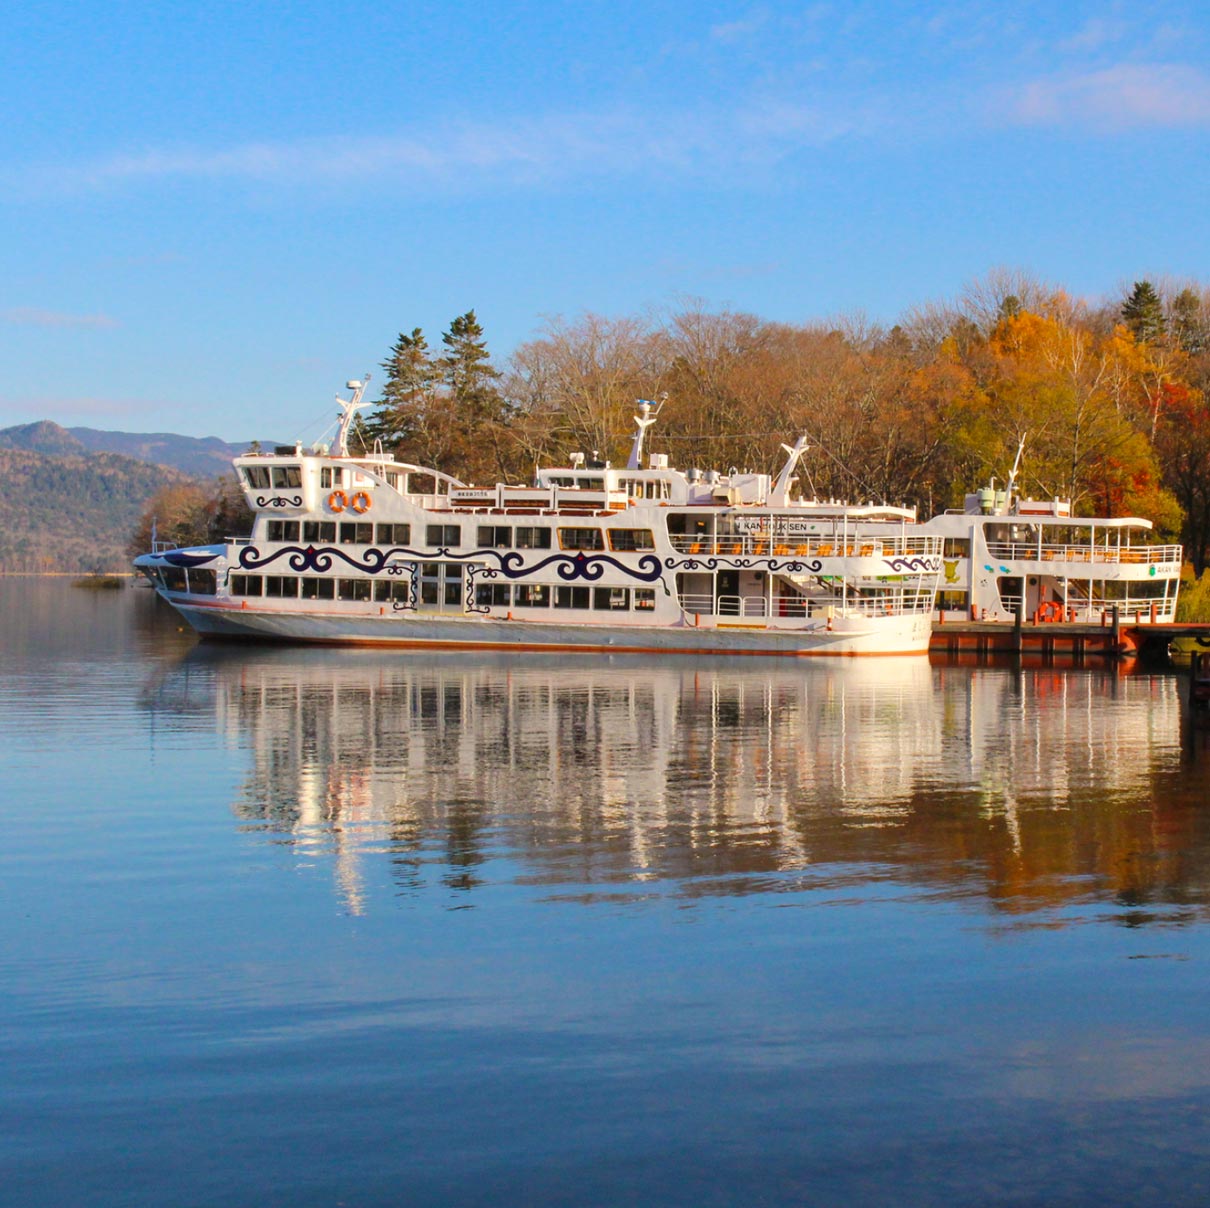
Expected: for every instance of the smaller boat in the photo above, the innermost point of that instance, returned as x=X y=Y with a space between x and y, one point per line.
x=1005 y=556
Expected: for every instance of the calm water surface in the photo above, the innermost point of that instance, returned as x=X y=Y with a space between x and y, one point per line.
x=358 y=927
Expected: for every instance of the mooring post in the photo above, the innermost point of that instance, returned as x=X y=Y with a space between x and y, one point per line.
x=1117 y=627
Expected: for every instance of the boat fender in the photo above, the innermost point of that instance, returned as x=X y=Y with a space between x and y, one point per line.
x=360 y=502
x=338 y=501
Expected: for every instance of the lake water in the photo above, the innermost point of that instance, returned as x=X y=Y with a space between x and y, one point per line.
x=322 y=927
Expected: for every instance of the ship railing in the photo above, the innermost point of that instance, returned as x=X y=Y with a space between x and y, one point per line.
x=749 y=546
x=1030 y=551
x=801 y=607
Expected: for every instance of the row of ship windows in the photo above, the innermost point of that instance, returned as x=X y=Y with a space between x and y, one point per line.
x=261 y=478
x=448 y=591
x=449 y=536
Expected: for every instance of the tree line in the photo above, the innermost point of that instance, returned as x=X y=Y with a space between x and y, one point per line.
x=1109 y=400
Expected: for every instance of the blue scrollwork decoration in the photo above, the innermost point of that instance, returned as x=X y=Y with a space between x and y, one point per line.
x=176 y=558
x=913 y=563
x=279 y=501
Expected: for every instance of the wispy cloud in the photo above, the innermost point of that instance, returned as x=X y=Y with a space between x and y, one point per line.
x=1095 y=33
x=32 y=316
x=558 y=147
x=727 y=32
x=1121 y=97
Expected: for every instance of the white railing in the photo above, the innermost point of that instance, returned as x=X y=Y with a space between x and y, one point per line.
x=801 y=607
x=775 y=547
x=1027 y=551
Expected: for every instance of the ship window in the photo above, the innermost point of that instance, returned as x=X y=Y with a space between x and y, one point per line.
x=318 y=589
x=281 y=586
x=571 y=597
x=612 y=599
x=394 y=534
x=495 y=536
x=392 y=477
x=493 y=595
x=257 y=477
x=453 y=586
x=562 y=480
x=319 y=530
x=358 y=533
x=533 y=538
x=174 y=578
x=331 y=476
x=644 y=598
x=627 y=540
x=283 y=530
x=203 y=581
x=444 y=536
x=353 y=589
x=957 y=547
x=590 y=484
x=581 y=538
x=287 y=476
x=246 y=585
x=533 y=596
x=393 y=589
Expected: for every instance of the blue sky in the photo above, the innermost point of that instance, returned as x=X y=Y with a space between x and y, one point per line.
x=215 y=213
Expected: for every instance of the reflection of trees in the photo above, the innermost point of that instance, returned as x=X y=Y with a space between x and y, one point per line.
x=1031 y=788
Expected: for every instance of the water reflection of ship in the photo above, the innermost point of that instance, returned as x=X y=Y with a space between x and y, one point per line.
x=598 y=776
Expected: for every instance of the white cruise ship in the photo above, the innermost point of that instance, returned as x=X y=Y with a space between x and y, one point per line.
x=361 y=548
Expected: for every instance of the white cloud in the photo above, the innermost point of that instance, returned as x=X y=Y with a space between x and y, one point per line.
x=524 y=151
x=32 y=316
x=1121 y=97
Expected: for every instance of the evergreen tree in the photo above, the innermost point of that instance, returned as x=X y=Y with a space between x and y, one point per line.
x=410 y=385
x=1143 y=313
x=467 y=371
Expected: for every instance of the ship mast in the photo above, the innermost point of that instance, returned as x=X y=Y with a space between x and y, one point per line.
x=648 y=412
x=348 y=409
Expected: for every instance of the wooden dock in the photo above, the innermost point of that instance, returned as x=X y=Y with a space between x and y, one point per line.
x=1063 y=640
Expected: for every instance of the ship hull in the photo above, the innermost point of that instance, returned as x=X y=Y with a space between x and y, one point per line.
x=906 y=634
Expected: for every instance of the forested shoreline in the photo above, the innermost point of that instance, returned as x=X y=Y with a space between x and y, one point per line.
x=1108 y=399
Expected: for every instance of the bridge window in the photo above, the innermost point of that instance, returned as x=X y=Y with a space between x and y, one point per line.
x=289 y=477
x=257 y=477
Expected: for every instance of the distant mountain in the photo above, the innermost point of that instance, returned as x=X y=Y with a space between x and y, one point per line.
x=204 y=457
x=75 y=511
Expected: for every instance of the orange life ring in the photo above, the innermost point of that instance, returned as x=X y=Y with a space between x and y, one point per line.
x=338 y=501
x=360 y=502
